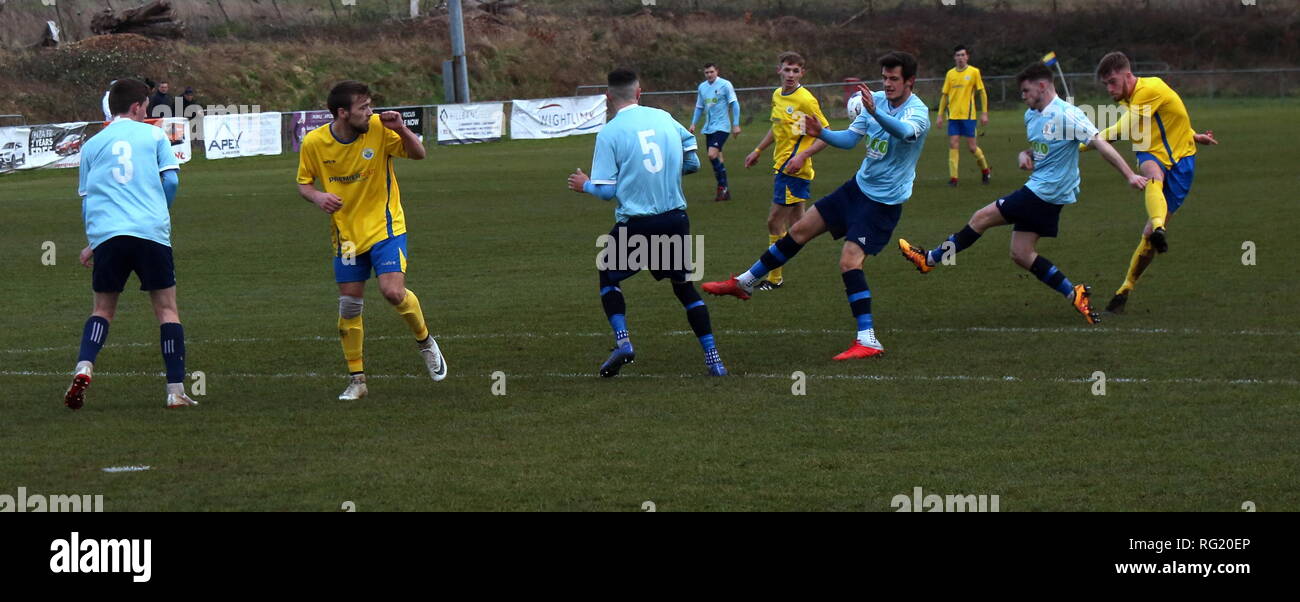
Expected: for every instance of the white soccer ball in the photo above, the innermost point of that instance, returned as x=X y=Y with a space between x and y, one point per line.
x=855 y=105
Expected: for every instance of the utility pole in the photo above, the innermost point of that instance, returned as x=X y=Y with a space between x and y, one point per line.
x=457 y=22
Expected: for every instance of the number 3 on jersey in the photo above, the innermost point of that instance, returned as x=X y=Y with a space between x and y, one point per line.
x=122 y=150
x=655 y=162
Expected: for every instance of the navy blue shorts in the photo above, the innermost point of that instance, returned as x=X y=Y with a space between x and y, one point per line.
x=1028 y=213
x=663 y=240
x=117 y=257
x=1178 y=180
x=961 y=127
x=850 y=214
x=716 y=139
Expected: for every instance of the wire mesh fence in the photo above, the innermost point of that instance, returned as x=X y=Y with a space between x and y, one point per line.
x=755 y=101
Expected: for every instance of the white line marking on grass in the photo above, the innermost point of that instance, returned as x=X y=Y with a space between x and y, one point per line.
x=126 y=468
x=726 y=332
x=850 y=377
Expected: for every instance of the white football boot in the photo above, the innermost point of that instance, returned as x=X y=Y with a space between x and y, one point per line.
x=433 y=358
x=356 y=388
x=176 y=397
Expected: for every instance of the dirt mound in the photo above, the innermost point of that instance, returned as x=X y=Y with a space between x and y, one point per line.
x=129 y=42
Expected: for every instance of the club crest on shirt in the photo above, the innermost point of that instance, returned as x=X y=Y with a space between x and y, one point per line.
x=368 y=154
x=1049 y=129
x=789 y=109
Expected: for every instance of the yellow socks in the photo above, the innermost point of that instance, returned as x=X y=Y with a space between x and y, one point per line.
x=353 y=334
x=1157 y=208
x=775 y=276
x=410 y=311
x=352 y=331
x=953 y=155
x=980 y=160
x=1142 y=257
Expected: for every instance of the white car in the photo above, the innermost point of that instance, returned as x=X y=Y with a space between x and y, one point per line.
x=12 y=155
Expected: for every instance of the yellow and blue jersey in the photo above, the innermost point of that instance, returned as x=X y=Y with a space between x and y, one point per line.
x=1157 y=121
x=959 y=89
x=360 y=173
x=788 y=111
x=120 y=184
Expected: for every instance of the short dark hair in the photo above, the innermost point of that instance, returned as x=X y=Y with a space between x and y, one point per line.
x=707 y=65
x=1112 y=62
x=1036 y=71
x=959 y=48
x=343 y=94
x=124 y=93
x=793 y=58
x=898 y=58
x=619 y=78
x=622 y=83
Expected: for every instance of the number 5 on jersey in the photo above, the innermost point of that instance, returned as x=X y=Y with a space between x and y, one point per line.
x=655 y=162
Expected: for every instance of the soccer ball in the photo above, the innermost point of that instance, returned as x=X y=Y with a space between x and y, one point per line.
x=855 y=105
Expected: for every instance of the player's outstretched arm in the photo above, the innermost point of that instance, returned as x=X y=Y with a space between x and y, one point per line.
x=411 y=142
x=1112 y=156
x=1207 y=138
x=1113 y=131
x=837 y=138
x=752 y=157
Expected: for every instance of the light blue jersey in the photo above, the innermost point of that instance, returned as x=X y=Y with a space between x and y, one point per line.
x=640 y=151
x=1054 y=136
x=121 y=187
x=889 y=168
x=714 y=101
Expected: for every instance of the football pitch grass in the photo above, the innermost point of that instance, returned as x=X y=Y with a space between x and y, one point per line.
x=985 y=388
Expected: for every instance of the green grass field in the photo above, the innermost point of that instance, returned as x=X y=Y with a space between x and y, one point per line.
x=984 y=390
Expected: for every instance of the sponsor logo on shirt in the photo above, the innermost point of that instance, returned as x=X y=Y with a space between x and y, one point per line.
x=360 y=176
x=877 y=148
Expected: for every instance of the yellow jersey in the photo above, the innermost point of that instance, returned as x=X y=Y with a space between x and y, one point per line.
x=788 y=111
x=1157 y=122
x=959 y=89
x=361 y=174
